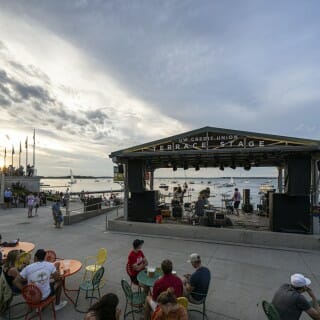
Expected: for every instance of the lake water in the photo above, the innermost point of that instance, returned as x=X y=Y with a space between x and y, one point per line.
x=195 y=185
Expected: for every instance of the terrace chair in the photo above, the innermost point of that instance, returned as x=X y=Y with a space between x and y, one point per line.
x=23 y=260
x=91 y=286
x=134 y=299
x=183 y=301
x=270 y=311
x=202 y=302
x=33 y=297
x=100 y=259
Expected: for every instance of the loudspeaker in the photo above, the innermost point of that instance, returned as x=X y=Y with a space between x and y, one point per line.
x=289 y=213
x=246 y=196
x=318 y=165
x=299 y=176
x=136 y=182
x=143 y=207
x=120 y=168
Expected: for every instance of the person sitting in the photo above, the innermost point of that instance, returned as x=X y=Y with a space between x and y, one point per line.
x=168 y=280
x=136 y=260
x=39 y=273
x=168 y=307
x=11 y=272
x=289 y=300
x=104 y=309
x=196 y=285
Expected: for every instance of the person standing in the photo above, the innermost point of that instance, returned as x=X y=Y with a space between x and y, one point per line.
x=36 y=204
x=8 y=197
x=30 y=203
x=290 y=302
x=236 y=200
x=196 y=286
x=136 y=260
x=56 y=213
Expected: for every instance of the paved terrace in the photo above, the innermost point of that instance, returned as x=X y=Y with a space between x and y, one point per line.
x=242 y=275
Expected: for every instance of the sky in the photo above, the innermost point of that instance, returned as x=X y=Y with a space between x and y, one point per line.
x=93 y=77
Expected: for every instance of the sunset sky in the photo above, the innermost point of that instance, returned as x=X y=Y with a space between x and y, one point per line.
x=97 y=76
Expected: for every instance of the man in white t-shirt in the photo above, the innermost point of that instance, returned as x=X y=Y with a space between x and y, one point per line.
x=39 y=273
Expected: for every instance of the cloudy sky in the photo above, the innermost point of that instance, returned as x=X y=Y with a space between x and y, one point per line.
x=97 y=76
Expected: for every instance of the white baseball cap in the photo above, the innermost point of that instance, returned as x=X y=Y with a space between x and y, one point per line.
x=194 y=257
x=299 y=280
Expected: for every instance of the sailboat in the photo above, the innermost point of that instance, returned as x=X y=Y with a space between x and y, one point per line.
x=230 y=184
x=72 y=180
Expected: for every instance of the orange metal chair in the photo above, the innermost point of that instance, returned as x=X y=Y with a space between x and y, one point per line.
x=32 y=295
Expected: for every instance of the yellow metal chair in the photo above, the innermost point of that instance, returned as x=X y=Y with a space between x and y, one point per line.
x=183 y=301
x=100 y=259
x=23 y=260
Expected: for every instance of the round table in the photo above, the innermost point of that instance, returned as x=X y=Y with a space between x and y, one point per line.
x=68 y=267
x=147 y=281
x=25 y=246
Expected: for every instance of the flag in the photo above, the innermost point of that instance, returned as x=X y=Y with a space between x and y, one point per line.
x=26 y=142
x=20 y=148
x=12 y=149
x=5 y=152
x=34 y=136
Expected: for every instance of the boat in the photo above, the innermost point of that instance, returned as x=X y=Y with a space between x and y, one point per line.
x=209 y=182
x=265 y=187
x=164 y=186
x=191 y=182
x=96 y=180
x=229 y=184
x=72 y=180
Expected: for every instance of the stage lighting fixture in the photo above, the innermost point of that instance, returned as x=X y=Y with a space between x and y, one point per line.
x=197 y=167
x=247 y=166
x=233 y=165
x=174 y=167
x=221 y=167
x=185 y=166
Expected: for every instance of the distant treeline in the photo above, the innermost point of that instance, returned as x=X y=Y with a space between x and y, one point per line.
x=76 y=177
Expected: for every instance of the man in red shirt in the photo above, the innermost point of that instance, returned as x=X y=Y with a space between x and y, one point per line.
x=136 y=260
x=168 y=280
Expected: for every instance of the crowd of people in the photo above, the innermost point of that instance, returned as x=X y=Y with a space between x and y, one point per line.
x=161 y=301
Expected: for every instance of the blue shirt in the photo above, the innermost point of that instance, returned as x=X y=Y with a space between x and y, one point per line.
x=200 y=281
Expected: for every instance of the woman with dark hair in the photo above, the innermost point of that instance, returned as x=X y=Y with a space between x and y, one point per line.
x=168 y=307
x=10 y=270
x=104 y=309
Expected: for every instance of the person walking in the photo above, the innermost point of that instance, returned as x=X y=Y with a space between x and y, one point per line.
x=236 y=200
x=36 y=204
x=8 y=198
x=30 y=202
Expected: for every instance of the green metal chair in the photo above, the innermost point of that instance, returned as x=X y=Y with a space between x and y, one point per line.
x=270 y=311
x=134 y=299
x=202 y=302
x=91 y=286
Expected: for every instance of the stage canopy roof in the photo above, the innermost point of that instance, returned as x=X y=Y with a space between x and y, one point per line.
x=214 y=147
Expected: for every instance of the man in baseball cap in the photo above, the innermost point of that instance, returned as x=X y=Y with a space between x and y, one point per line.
x=196 y=285
x=290 y=301
x=136 y=260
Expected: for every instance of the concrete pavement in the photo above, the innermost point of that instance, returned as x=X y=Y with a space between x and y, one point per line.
x=242 y=276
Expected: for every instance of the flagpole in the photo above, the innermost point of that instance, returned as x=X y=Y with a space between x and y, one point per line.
x=26 y=145
x=20 y=155
x=12 y=155
x=34 y=148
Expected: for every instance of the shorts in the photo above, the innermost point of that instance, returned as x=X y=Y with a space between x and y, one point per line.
x=52 y=291
x=6 y=199
x=236 y=204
